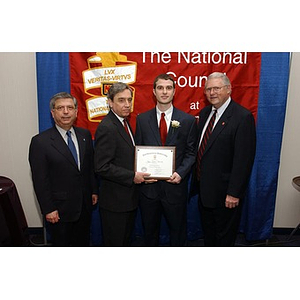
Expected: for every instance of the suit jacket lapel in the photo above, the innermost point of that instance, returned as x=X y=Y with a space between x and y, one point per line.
x=172 y=133
x=154 y=127
x=82 y=146
x=120 y=128
x=202 y=123
x=60 y=145
x=222 y=123
x=131 y=132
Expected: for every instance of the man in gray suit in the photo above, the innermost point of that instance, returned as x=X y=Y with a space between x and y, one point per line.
x=167 y=197
x=114 y=163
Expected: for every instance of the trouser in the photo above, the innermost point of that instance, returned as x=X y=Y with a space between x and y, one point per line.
x=117 y=227
x=220 y=225
x=76 y=233
x=175 y=215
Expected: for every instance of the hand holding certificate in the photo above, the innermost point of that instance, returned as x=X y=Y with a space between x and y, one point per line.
x=158 y=161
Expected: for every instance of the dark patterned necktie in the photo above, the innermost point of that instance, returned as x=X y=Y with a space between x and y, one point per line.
x=204 y=141
x=126 y=127
x=127 y=130
x=163 y=129
x=71 y=146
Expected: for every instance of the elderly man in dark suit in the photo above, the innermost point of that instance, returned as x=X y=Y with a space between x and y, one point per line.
x=61 y=160
x=165 y=125
x=227 y=142
x=114 y=163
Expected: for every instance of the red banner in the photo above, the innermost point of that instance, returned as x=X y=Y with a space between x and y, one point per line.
x=92 y=74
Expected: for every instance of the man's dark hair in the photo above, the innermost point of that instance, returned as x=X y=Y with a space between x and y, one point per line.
x=165 y=77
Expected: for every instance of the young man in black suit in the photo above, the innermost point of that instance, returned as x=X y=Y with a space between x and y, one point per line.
x=167 y=197
x=64 y=183
x=224 y=161
x=114 y=163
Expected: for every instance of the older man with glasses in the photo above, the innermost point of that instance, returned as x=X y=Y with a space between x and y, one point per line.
x=61 y=160
x=226 y=150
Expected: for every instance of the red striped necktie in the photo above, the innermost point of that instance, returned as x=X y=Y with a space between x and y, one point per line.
x=126 y=127
x=204 y=141
x=127 y=130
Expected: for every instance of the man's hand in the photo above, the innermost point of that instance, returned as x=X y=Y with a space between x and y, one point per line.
x=231 y=202
x=175 y=178
x=140 y=177
x=94 y=199
x=52 y=217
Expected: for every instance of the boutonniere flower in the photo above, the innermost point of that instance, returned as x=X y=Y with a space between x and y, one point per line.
x=175 y=124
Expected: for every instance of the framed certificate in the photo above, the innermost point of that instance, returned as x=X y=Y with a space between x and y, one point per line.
x=158 y=161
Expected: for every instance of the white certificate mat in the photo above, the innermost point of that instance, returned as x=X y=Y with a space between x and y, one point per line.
x=158 y=161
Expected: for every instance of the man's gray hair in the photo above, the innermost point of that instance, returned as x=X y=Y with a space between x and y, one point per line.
x=116 y=88
x=225 y=79
x=62 y=95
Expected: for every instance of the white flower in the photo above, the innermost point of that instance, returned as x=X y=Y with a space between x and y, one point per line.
x=175 y=124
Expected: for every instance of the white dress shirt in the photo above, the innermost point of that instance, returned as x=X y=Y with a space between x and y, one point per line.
x=168 y=116
x=219 y=113
x=63 y=133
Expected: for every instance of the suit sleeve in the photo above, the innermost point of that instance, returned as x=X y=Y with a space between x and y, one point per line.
x=93 y=178
x=138 y=132
x=40 y=175
x=244 y=153
x=190 y=151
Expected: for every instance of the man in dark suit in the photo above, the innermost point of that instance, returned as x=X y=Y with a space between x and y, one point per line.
x=64 y=183
x=114 y=163
x=167 y=197
x=224 y=161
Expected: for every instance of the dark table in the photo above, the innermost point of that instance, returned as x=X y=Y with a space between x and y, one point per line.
x=13 y=223
x=296 y=185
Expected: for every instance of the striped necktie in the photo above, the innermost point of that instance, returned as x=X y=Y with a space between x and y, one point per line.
x=204 y=141
x=126 y=127
x=127 y=130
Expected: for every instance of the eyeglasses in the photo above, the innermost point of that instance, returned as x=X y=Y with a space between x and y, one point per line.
x=216 y=89
x=62 y=108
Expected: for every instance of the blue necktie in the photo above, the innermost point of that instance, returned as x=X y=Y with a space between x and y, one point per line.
x=71 y=146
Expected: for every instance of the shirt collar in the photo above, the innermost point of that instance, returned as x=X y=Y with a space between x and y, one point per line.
x=121 y=119
x=168 y=112
x=222 y=108
x=63 y=132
